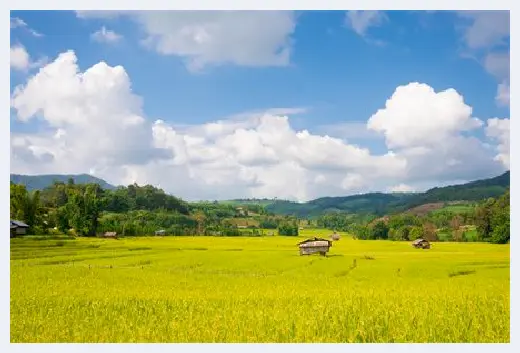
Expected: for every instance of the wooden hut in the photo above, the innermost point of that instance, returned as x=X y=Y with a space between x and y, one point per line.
x=17 y=228
x=421 y=244
x=110 y=235
x=314 y=245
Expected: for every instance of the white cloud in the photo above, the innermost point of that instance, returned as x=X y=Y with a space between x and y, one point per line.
x=498 y=64
x=427 y=129
x=416 y=115
x=355 y=130
x=19 y=23
x=104 y=35
x=485 y=29
x=498 y=129
x=94 y=122
x=486 y=34
x=361 y=21
x=93 y=119
x=203 y=38
x=19 y=58
x=21 y=61
x=503 y=94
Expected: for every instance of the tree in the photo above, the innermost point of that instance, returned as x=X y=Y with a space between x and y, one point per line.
x=500 y=220
x=456 y=230
x=380 y=230
x=430 y=231
x=416 y=232
x=18 y=202
x=483 y=219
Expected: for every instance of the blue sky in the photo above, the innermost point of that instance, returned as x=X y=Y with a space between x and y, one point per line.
x=339 y=70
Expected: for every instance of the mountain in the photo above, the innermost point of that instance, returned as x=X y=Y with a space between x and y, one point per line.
x=381 y=203
x=472 y=191
x=40 y=182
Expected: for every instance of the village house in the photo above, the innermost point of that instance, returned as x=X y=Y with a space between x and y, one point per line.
x=421 y=244
x=110 y=235
x=18 y=228
x=314 y=245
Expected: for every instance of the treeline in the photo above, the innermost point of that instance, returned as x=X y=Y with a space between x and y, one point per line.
x=488 y=221
x=88 y=210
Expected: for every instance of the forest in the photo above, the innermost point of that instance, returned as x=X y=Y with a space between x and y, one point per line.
x=90 y=210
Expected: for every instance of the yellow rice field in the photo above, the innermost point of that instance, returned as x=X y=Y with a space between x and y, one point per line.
x=238 y=289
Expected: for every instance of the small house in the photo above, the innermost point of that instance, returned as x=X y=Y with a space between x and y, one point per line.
x=161 y=232
x=110 y=235
x=314 y=245
x=335 y=236
x=421 y=244
x=17 y=228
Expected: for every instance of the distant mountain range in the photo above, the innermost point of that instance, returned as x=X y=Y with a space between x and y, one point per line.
x=40 y=182
x=375 y=203
x=381 y=203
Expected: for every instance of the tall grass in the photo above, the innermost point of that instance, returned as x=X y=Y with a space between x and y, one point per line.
x=205 y=289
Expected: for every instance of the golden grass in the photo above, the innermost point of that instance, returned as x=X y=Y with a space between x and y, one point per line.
x=210 y=289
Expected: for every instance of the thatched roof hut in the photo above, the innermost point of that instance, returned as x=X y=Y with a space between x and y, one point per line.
x=421 y=244
x=110 y=235
x=314 y=245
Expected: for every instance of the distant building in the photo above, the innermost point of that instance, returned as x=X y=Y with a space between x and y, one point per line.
x=315 y=245
x=160 y=232
x=110 y=235
x=18 y=228
x=421 y=244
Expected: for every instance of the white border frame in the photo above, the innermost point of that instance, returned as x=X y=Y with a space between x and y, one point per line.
x=251 y=5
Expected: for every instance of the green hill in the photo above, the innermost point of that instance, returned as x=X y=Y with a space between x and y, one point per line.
x=381 y=203
x=40 y=182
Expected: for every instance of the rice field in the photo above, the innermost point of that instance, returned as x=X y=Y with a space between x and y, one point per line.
x=238 y=289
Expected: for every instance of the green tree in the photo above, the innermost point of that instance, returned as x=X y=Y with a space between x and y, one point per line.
x=500 y=220
x=380 y=230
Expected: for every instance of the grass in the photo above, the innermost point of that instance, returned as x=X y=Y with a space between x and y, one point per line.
x=256 y=289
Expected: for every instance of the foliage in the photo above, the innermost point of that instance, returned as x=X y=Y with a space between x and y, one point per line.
x=288 y=228
x=492 y=220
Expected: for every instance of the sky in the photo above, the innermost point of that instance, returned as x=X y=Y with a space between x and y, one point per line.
x=211 y=105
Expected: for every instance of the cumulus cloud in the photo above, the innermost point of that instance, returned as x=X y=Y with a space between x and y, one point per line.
x=416 y=115
x=361 y=21
x=104 y=35
x=203 y=38
x=271 y=158
x=428 y=129
x=94 y=122
x=498 y=129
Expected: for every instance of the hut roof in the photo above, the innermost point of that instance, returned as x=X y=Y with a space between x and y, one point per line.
x=418 y=241
x=18 y=224
x=315 y=242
